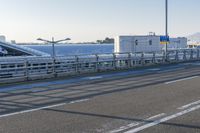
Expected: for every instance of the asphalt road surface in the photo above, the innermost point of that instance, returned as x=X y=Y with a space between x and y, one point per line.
x=154 y=100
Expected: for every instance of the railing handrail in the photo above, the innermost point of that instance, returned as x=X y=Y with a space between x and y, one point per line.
x=35 y=67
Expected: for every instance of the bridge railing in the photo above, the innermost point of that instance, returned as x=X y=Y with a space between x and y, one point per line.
x=13 y=69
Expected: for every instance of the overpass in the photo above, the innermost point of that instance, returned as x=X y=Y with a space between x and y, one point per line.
x=17 y=50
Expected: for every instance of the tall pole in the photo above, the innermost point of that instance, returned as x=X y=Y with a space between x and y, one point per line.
x=53 y=48
x=166 y=28
x=53 y=42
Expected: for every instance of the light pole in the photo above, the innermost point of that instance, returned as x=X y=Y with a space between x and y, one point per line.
x=53 y=42
x=135 y=44
x=166 y=27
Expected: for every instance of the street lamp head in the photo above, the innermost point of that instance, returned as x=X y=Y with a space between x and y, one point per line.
x=67 y=39
x=43 y=40
x=53 y=42
x=40 y=39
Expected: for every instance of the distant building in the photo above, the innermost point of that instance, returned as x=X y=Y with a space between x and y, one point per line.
x=13 y=41
x=178 y=43
x=148 y=43
x=2 y=38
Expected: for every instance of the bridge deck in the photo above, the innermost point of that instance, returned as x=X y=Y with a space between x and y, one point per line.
x=159 y=100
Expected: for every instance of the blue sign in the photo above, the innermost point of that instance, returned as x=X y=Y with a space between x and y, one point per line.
x=164 y=39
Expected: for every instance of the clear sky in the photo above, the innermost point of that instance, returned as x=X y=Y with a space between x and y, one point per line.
x=89 y=20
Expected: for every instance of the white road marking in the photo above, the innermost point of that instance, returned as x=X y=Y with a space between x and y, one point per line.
x=135 y=130
x=41 y=108
x=78 y=101
x=96 y=77
x=134 y=124
x=174 y=81
x=32 y=110
x=125 y=127
x=156 y=116
x=189 y=105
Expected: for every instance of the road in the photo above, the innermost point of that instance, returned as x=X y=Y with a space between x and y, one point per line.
x=151 y=100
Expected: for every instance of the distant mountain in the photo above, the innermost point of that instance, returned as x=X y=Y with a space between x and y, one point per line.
x=194 y=38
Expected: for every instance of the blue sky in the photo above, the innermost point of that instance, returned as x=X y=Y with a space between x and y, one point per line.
x=89 y=20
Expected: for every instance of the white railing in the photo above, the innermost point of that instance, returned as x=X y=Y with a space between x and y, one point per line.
x=13 y=69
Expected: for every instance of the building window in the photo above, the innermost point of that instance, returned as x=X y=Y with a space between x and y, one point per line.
x=136 y=42
x=150 y=42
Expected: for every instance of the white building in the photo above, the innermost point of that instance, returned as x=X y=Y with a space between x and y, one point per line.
x=177 y=43
x=148 y=43
x=137 y=44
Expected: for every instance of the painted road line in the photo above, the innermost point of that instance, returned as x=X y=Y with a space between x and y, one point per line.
x=92 y=78
x=154 y=123
x=32 y=110
x=96 y=77
x=123 y=128
x=156 y=116
x=78 y=101
x=189 y=105
x=42 y=108
x=179 y=80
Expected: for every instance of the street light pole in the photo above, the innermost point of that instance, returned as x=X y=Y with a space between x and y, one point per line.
x=53 y=42
x=135 y=50
x=166 y=28
x=53 y=48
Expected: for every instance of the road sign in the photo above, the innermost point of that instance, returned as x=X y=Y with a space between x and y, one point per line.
x=164 y=39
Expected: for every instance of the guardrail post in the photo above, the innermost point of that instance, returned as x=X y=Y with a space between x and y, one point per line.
x=54 y=67
x=26 y=70
x=176 y=56
x=184 y=55
x=77 y=64
x=167 y=56
x=142 y=59
x=114 y=61
x=197 y=53
x=191 y=54
x=97 y=62
x=135 y=59
x=154 y=58
x=129 y=60
x=164 y=57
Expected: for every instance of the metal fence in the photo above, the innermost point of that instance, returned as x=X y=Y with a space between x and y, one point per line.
x=13 y=69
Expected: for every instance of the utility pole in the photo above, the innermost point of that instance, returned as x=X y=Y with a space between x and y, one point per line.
x=166 y=28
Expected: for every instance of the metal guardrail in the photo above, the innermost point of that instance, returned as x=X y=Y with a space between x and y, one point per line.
x=13 y=69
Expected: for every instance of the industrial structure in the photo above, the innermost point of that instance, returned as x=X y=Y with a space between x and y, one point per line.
x=146 y=43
